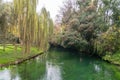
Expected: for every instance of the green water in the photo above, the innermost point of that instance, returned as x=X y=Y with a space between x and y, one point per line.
x=61 y=65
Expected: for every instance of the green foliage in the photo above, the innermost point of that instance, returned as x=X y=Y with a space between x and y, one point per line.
x=73 y=40
x=108 y=42
x=82 y=27
x=113 y=58
x=20 y=22
x=56 y=39
x=45 y=29
x=5 y=16
x=108 y=45
x=34 y=29
x=5 y=21
x=90 y=27
x=111 y=10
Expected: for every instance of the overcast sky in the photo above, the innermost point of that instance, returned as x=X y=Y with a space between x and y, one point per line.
x=51 y=5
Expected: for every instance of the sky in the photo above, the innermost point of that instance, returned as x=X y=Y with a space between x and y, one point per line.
x=53 y=6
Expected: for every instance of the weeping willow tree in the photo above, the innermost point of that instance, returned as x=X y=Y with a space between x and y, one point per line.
x=45 y=28
x=33 y=28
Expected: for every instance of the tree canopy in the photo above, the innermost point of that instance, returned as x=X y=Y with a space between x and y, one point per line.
x=21 y=21
x=91 y=27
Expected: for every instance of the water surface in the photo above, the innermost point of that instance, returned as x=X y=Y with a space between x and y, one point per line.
x=58 y=64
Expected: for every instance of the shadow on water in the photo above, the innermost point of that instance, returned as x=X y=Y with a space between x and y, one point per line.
x=60 y=64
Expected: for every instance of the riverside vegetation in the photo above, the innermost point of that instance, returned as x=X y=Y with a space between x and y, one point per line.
x=87 y=30
x=23 y=31
x=91 y=27
x=88 y=26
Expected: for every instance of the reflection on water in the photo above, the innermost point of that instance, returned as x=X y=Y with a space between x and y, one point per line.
x=53 y=72
x=97 y=68
x=5 y=74
x=61 y=65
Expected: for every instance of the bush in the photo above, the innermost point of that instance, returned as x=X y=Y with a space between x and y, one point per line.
x=108 y=42
x=74 y=40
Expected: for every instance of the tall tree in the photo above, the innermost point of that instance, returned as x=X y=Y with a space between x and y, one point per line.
x=5 y=21
x=33 y=28
x=25 y=11
x=45 y=29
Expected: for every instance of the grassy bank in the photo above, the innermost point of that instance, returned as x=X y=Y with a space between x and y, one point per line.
x=10 y=55
x=113 y=58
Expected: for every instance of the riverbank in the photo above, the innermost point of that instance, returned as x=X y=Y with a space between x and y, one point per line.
x=110 y=58
x=62 y=65
x=113 y=58
x=12 y=57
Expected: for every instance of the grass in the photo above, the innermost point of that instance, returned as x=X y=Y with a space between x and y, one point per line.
x=10 y=55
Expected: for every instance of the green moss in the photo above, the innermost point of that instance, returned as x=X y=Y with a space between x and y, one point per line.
x=10 y=55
